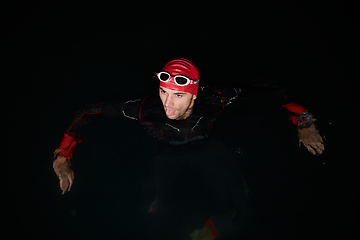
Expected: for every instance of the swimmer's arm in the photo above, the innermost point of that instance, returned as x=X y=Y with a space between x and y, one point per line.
x=72 y=136
x=115 y=108
x=64 y=152
x=299 y=116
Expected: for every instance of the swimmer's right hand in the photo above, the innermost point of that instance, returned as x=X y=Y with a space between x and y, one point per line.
x=62 y=168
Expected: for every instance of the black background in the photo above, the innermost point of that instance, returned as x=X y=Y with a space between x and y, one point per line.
x=59 y=55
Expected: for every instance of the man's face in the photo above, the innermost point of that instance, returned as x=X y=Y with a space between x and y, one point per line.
x=177 y=105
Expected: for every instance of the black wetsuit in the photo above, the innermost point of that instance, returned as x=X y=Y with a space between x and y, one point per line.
x=196 y=177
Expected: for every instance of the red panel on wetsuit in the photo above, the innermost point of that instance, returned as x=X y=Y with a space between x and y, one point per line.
x=295 y=108
x=211 y=226
x=67 y=144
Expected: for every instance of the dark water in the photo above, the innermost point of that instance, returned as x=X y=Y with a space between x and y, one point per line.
x=61 y=56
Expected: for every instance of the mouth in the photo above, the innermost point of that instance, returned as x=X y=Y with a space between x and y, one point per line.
x=169 y=112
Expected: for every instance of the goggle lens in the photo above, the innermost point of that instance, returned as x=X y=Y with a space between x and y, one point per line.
x=164 y=77
x=181 y=80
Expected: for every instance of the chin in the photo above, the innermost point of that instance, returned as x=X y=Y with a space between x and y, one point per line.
x=172 y=117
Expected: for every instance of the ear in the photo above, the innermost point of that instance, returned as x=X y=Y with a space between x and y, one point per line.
x=194 y=97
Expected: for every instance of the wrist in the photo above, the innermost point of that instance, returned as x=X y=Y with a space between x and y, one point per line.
x=304 y=120
x=61 y=159
x=67 y=146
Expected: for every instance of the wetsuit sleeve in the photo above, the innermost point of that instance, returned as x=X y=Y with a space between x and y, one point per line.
x=295 y=110
x=228 y=94
x=111 y=109
x=265 y=88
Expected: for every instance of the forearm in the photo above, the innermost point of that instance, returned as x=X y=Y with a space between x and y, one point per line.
x=299 y=116
x=72 y=135
x=112 y=109
x=67 y=146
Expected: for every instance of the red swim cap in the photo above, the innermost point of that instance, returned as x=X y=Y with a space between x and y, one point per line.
x=182 y=66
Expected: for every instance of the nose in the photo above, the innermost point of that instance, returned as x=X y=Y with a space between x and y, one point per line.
x=169 y=101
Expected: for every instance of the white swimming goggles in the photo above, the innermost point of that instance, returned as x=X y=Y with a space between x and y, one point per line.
x=180 y=80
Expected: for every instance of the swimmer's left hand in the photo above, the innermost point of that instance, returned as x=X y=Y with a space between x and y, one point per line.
x=311 y=139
